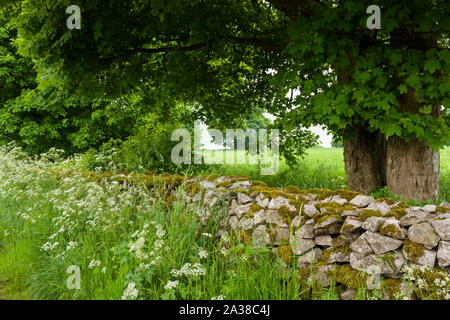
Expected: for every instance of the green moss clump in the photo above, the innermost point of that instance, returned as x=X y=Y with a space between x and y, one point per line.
x=391 y=229
x=325 y=217
x=392 y=287
x=252 y=210
x=413 y=250
x=286 y=215
x=321 y=193
x=346 y=228
x=389 y=201
x=292 y=189
x=245 y=237
x=349 y=277
x=334 y=207
x=367 y=213
x=284 y=251
x=192 y=187
x=345 y=249
x=397 y=212
x=403 y=205
x=346 y=194
x=441 y=209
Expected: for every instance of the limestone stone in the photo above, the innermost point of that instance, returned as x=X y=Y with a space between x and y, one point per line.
x=313 y=256
x=350 y=213
x=424 y=234
x=264 y=203
x=373 y=223
x=443 y=254
x=277 y=203
x=361 y=246
x=383 y=207
x=414 y=217
x=300 y=246
x=272 y=217
x=240 y=185
x=348 y=294
x=429 y=208
x=259 y=217
x=428 y=258
x=306 y=231
x=332 y=229
x=362 y=201
x=323 y=240
x=388 y=265
x=234 y=222
x=205 y=184
x=246 y=224
x=310 y=210
x=381 y=244
x=351 y=224
x=260 y=237
x=243 y=198
x=442 y=228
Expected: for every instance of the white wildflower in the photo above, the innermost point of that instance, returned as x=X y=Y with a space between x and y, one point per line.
x=171 y=284
x=131 y=292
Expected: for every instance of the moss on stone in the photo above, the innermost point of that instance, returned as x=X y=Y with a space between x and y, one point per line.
x=413 y=250
x=441 y=209
x=292 y=189
x=403 y=205
x=252 y=210
x=286 y=215
x=391 y=287
x=397 y=212
x=349 y=277
x=245 y=237
x=334 y=207
x=367 y=213
x=325 y=217
x=391 y=229
x=346 y=194
x=345 y=249
x=284 y=251
x=347 y=228
x=389 y=201
x=192 y=187
x=321 y=194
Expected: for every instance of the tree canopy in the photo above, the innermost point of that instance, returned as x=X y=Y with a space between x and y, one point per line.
x=308 y=62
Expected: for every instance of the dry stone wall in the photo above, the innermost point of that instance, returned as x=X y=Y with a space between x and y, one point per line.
x=332 y=229
x=347 y=236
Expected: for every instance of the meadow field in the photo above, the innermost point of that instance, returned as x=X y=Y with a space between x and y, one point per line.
x=319 y=168
x=129 y=244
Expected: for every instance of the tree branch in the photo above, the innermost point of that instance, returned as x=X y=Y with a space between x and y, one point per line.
x=260 y=43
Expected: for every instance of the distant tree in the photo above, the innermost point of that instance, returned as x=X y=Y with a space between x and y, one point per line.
x=336 y=142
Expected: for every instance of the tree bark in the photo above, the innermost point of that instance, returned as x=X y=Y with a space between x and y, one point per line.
x=365 y=161
x=412 y=167
x=412 y=170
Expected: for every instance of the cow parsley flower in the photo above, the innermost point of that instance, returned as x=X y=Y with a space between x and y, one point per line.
x=131 y=292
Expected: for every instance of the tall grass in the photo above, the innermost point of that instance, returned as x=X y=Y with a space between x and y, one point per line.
x=130 y=242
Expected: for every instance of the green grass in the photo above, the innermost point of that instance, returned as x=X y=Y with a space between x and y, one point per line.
x=49 y=223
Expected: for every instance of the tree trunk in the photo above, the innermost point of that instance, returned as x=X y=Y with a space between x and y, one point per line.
x=412 y=170
x=412 y=167
x=365 y=161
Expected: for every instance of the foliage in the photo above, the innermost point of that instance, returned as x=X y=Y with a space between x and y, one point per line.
x=336 y=142
x=233 y=56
